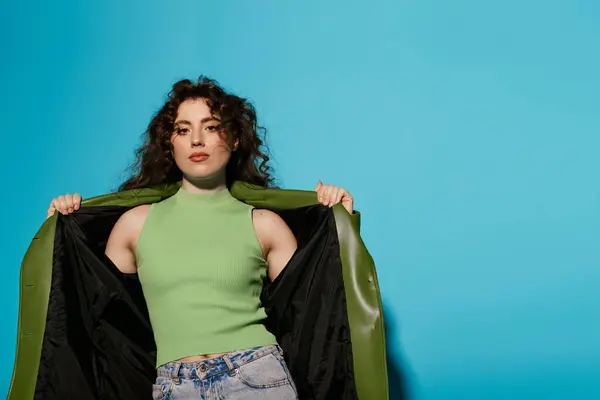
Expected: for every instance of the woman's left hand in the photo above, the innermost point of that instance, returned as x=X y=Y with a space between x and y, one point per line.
x=329 y=195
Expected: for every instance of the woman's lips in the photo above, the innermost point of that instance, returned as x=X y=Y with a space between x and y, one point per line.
x=198 y=157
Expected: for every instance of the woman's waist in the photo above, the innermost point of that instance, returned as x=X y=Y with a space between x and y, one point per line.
x=194 y=343
x=231 y=354
x=185 y=368
x=202 y=357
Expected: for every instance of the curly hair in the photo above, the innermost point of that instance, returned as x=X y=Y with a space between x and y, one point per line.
x=154 y=164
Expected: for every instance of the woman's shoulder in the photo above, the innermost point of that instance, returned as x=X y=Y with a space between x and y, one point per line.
x=135 y=217
x=137 y=212
x=267 y=221
x=263 y=216
x=124 y=237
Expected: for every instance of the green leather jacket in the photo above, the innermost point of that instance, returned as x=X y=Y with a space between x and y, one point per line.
x=84 y=331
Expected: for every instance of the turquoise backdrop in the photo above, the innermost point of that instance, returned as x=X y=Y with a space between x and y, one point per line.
x=468 y=132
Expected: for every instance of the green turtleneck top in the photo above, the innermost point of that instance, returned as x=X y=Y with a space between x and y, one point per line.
x=201 y=269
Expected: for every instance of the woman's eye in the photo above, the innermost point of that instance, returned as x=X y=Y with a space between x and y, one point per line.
x=212 y=128
x=182 y=131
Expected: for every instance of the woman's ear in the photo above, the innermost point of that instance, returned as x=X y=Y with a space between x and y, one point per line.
x=236 y=143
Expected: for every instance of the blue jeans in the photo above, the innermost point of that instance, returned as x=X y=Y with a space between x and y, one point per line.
x=257 y=373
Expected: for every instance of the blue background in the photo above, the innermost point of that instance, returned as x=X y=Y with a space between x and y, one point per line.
x=467 y=131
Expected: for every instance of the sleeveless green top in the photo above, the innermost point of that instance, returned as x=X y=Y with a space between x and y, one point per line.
x=201 y=269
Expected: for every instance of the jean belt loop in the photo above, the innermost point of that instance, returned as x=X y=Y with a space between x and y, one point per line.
x=176 y=369
x=229 y=362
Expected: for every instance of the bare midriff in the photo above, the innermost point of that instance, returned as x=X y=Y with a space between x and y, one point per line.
x=201 y=357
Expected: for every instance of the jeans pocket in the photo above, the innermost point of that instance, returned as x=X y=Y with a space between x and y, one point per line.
x=264 y=372
x=162 y=388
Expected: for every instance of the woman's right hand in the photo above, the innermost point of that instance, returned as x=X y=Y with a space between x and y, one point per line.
x=64 y=204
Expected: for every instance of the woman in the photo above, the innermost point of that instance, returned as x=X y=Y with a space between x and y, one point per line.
x=201 y=255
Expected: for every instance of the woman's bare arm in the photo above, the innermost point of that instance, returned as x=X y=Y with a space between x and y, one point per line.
x=277 y=240
x=122 y=241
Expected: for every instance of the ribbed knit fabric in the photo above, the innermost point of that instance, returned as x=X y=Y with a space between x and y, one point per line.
x=201 y=268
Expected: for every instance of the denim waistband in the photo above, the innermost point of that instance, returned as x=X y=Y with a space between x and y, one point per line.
x=213 y=366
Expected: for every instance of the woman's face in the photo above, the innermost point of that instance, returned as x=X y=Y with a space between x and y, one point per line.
x=201 y=150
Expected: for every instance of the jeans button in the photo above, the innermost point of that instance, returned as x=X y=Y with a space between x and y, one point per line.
x=203 y=368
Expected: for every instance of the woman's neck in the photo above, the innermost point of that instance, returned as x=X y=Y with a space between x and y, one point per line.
x=203 y=186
